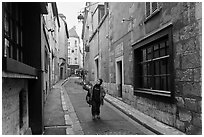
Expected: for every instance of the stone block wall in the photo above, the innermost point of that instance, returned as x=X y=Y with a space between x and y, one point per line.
x=187 y=63
x=11 y=89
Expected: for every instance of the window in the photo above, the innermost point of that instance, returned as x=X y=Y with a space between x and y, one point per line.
x=75 y=43
x=101 y=12
x=13 y=44
x=69 y=51
x=151 y=7
x=69 y=60
x=75 y=60
x=153 y=65
x=75 y=51
x=68 y=44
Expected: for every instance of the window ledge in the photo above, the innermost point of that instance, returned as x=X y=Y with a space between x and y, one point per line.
x=154 y=92
x=152 y=15
x=16 y=75
x=14 y=66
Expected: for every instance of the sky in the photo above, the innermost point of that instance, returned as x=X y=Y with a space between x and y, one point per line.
x=71 y=10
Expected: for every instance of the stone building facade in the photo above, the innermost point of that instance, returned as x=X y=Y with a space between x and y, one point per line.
x=22 y=78
x=50 y=41
x=149 y=55
x=28 y=45
x=74 y=51
x=63 y=47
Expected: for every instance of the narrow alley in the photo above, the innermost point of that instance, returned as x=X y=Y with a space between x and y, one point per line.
x=143 y=59
x=112 y=122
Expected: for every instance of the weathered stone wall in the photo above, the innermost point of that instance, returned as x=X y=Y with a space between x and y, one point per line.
x=187 y=42
x=186 y=19
x=103 y=50
x=185 y=114
x=11 y=89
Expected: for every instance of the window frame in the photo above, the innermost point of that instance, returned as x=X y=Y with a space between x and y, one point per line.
x=151 y=13
x=8 y=63
x=161 y=33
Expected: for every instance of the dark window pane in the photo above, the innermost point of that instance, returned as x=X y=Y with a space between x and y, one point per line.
x=168 y=83
x=167 y=43
x=156 y=67
x=144 y=70
x=162 y=45
x=156 y=54
x=147 y=9
x=162 y=52
x=144 y=82
x=10 y=51
x=163 y=83
x=149 y=53
x=148 y=69
x=17 y=35
x=167 y=50
x=21 y=38
x=149 y=50
x=149 y=82
x=6 y=24
x=156 y=47
x=154 y=6
x=163 y=66
x=157 y=82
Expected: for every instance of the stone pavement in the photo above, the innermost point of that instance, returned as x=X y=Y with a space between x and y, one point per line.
x=147 y=121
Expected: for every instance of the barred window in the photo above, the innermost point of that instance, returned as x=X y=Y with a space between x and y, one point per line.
x=13 y=34
x=153 y=64
x=151 y=7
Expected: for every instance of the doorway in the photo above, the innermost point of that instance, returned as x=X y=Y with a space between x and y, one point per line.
x=119 y=77
x=61 y=73
x=97 y=69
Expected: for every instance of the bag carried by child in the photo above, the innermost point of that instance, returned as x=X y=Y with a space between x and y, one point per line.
x=88 y=98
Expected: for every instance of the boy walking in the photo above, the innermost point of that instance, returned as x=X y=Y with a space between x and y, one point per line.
x=97 y=96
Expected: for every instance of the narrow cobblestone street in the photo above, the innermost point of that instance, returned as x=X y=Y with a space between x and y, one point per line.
x=141 y=60
x=66 y=112
x=112 y=121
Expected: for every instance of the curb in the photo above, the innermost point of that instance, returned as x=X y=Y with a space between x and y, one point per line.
x=145 y=124
x=69 y=110
x=132 y=117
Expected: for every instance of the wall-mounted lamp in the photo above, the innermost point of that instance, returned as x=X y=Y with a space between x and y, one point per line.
x=80 y=17
x=52 y=30
x=129 y=19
